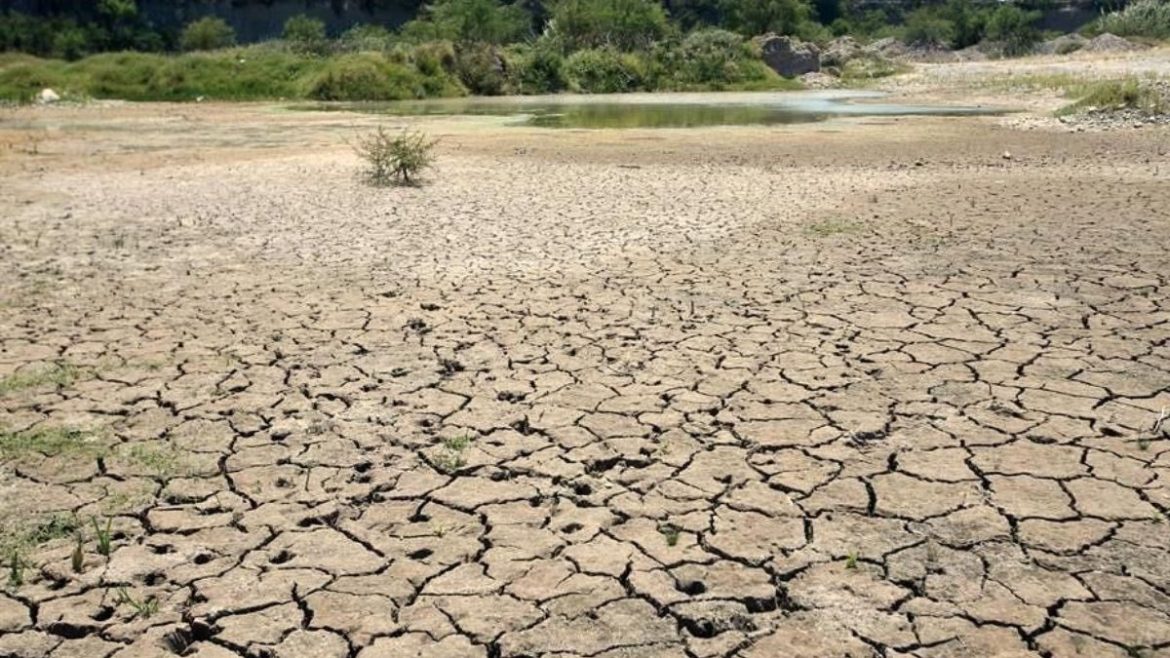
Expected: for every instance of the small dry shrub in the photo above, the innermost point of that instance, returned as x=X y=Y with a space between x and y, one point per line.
x=395 y=159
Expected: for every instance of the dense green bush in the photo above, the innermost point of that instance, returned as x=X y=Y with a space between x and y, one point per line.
x=365 y=37
x=22 y=80
x=436 y=62
x=365 y=77
x=604 y=71
x=67 y=38
x=924 y=27
x=755 y=17
x=256 y=73
x=957 y=24
x=120 y=75
x=1143 y=18
x=207 y=33
x=620 y=24
x=969 y=21
x=1014 y=28
x=539 y=69
x=480 y=69
x=478 y=21
x=710 y=59
x=305 y=34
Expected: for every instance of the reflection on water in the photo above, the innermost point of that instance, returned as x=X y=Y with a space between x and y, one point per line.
x=662 y=111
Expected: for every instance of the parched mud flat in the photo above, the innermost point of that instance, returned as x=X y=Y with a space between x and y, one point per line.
x=856 y=389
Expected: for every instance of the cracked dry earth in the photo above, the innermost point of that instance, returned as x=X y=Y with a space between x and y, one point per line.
x=857 y=389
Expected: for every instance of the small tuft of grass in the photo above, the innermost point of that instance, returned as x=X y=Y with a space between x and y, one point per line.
x=16 y=565
x=830 y=227
x=103 y=536
x=57 y=526
x=49 y=442
x=450 y=457
x=670 y=533
x=59 y=374
x=145 y=608
x=20 y=538
x=861 y=70
x=851 y=560
x=163 y=462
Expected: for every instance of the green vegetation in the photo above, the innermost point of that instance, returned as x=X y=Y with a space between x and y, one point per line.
x=851 y=560
x=1126 y=94
x=1014 y=28
x=208 y=33
x=485 y=47
x=396 y=159
x=16 y=566
x=25 y=535
x=365 y=76
x=469 y=21
x=57 y=374
x=829 y=227
x=145 y=608
x=103 y=536
x=22 y=537
x=960 y=23
x=752 y=17
x=161 y=461
x=670 y=533
x=49 y=442
x=305 y=35
x=450 y=458
x=617 y=24
x=1144 y=18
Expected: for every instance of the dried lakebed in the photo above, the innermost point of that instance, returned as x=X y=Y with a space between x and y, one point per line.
x=873 y=391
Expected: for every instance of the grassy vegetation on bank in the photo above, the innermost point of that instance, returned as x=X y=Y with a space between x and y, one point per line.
x=1111 y=95
x=707 y=60
x=1146 y=94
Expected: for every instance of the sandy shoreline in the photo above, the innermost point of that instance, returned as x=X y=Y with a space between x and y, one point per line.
x=864 y=387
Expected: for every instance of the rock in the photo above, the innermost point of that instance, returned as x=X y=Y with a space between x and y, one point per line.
x=789 y=56
x=839 y=51
x=888 y=48
x=1007 y=155
x=1110 y=43
x=48 y=97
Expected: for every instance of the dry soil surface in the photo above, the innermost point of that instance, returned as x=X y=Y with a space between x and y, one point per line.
x=864 y=388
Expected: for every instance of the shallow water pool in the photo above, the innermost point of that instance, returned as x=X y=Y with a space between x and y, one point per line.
x=672 y=110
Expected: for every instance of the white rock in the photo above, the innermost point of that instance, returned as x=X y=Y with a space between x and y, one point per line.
x=48 y=96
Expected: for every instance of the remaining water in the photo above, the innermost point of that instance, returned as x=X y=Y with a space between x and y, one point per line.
x=663 y=110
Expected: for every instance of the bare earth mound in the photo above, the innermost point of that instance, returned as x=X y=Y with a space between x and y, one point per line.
x=849 y=389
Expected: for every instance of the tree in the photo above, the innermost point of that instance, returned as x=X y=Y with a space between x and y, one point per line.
x=475 y=21
x=207 y=33
x=924 y=27
x=1013 y=27
x=305 y=34
x=622 y=24
x=755 y=17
